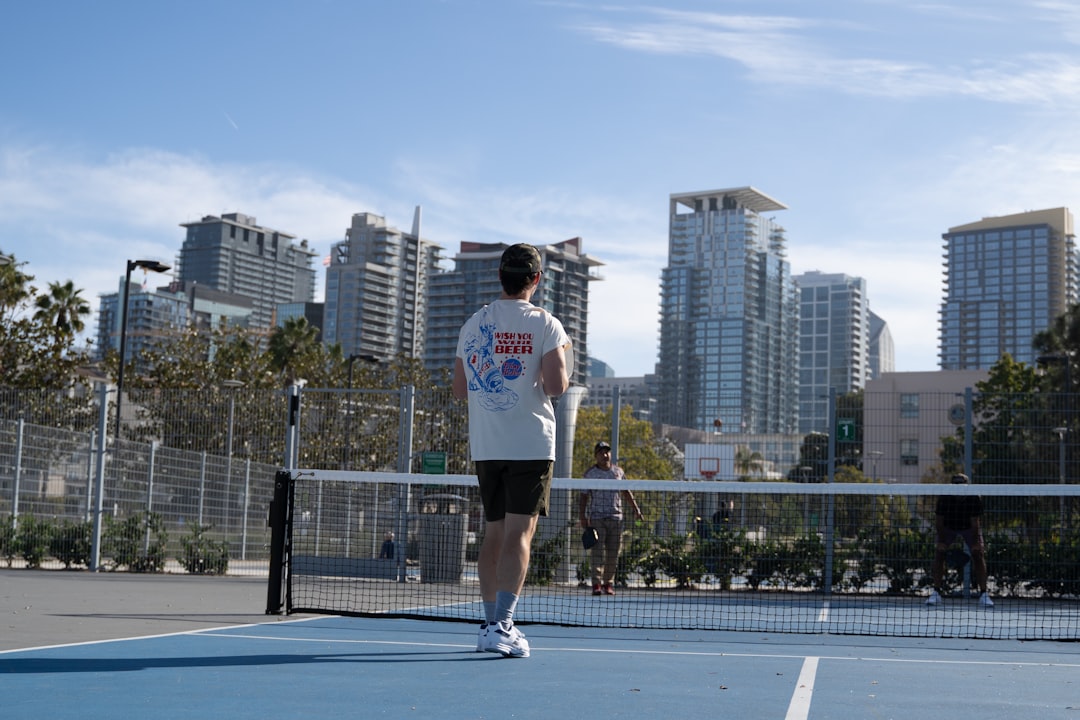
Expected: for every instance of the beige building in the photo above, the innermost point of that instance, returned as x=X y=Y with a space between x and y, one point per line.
x=905 y=415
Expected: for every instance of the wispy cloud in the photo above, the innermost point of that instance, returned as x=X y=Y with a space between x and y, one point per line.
x=793 y=51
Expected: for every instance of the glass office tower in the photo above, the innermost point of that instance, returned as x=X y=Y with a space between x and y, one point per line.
x=1006 y=279
x=728 y=316
x=834 y=343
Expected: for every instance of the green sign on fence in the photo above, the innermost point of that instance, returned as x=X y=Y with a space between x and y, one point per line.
x=845 y=429
x=433 y=463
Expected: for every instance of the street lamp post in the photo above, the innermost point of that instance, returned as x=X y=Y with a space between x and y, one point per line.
x=153 y=266
x=1061 y=432
x=875 y=454
x=346 y=460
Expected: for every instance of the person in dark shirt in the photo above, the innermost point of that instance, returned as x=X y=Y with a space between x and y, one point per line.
x=387 y=551
x=959 y=516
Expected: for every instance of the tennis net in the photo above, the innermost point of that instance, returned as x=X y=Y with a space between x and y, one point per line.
x=755 y=556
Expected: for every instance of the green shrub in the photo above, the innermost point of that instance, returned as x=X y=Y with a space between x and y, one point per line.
x=32 y=538
x=202 y=555
x=72 y=543
x=7 y=539
x=545 y=559
x=136 y=542
x=676 y=558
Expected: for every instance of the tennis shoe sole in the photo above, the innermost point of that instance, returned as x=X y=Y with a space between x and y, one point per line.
x=507 y=641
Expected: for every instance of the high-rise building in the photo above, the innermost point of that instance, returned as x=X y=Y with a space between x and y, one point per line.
x=564 y=291
x=233 y=254
x=882 y=349
x=834 y=343
x=156 y=313
x=311 y=312
x=634 y=392
x=728 y=316
x=1006 y=279
x=377 y=288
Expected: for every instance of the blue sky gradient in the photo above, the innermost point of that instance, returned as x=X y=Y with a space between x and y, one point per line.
x=879 y=123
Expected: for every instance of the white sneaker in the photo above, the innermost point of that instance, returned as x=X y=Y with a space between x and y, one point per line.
x=504 y=638
x=934 y=598
x=985 y=600
x=482 y=638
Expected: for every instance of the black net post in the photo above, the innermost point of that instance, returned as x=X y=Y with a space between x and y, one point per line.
x=279 y=540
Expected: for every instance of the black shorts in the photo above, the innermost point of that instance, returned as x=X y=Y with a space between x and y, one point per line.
x=519 y=487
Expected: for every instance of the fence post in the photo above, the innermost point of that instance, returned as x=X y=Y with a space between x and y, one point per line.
x=407 y=410
x=99 y=487
x=90 y=455
x=202 y=486
x=247 y=492
x=280 y=513
x=830 y=510
x=150 y=495
x=292 y=427
x=18 y=474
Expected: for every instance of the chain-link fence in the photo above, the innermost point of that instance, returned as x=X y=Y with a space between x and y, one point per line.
x=194 y=469
x=190 y=473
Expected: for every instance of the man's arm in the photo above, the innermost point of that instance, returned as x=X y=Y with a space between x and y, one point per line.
x=552 y=372
x=633 y=503
x=461 y=383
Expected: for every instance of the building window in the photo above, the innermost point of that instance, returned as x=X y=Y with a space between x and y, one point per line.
x=909 y=452
x=909 y=405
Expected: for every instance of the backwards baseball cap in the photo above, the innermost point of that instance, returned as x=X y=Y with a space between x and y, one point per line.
x=601 y=446
x=959 y=479
x=521 y=258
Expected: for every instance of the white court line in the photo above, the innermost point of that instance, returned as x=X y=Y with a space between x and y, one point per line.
x=212 y=633
x=799 y=707
x=823 y=616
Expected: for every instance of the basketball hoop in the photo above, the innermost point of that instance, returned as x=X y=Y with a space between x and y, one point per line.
x=708 y=474
x=708 y=467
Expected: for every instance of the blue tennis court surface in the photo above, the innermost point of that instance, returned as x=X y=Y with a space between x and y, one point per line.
x=394 y=668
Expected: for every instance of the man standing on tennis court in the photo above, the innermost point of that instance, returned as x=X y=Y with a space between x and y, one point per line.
x=959 y=517
x=511 y=360
x=602 y=510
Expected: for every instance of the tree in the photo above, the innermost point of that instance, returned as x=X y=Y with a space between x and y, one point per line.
x=32 y=354
x=294 y=346
x=62 y=309
x=748 y=462
x=642 y=455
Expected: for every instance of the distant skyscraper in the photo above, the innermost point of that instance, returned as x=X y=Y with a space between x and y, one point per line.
x=234 y=255
x=154 y=314
x=728 y=316
x=834 y=343
x=377 y=289
x=312 y=312
x=564 y=291
x=1006 y=279
x=597 y=368
x=882 y=349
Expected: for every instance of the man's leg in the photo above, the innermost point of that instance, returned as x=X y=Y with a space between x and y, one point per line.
x=978 y=564
x=488 y=560
x=596 y=556
x=514 y=552
x=612 y=541
x=937 y=569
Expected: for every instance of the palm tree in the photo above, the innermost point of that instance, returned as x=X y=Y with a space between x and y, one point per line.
x=62 y=309
x=290 y=344
x=748 y=462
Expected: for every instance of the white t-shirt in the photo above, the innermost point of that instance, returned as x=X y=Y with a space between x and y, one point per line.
x=510 y=415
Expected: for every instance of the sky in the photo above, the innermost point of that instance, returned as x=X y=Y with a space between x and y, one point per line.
x=880 y=124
